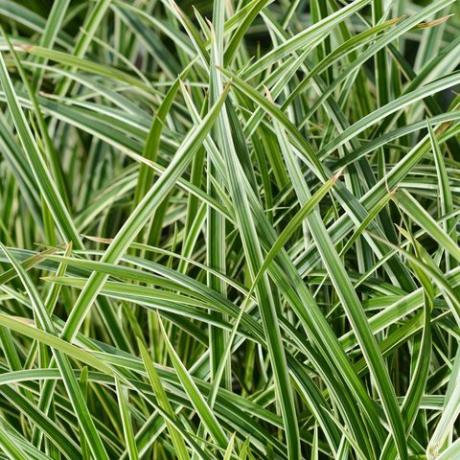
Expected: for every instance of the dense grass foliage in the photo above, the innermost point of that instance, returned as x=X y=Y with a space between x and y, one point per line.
x=229 y=229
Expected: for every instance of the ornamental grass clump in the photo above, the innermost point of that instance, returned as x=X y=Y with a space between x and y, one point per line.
x=229 y=229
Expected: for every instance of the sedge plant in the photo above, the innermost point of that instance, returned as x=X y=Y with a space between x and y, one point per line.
x=229 y=229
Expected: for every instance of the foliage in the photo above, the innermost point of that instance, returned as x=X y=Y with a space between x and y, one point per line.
x=229 y=229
